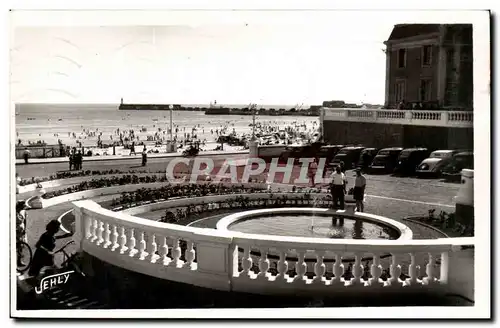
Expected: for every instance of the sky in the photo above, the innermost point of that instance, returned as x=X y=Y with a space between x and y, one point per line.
x=285 y=62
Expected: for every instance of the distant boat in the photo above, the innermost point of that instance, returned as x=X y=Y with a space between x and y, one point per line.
x=60 y=119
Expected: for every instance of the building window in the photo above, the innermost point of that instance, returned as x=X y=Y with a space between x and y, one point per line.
x=425 y=90
x=400 y=90
x=401 y=58
x=426 y=55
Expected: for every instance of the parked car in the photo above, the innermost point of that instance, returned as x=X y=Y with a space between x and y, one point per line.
x=409 y=159
x=453 y=170
x=329 y=152
x=436 y=161
x=292 y=152
x=348 y=155
x=386 y=159
x=300 y=151
x=366 y=157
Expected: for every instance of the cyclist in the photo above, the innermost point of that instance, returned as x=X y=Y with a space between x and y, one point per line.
x=44 y=255
x=20 y=230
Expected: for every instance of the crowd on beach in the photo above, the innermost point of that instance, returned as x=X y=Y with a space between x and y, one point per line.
x=206 y=134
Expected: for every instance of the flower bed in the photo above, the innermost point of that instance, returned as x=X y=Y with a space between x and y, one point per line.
x=75 y=174
x=180 y=214
x=445 y=222
x=105 y=182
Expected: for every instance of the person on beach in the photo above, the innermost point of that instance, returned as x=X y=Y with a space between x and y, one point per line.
x=44 y=253
x=144 y=156
x=132 y=149
x=337 y=188
x=71 y=159
x=26 y=155
x=359 y=190
x=313 y=166
x=78 y=160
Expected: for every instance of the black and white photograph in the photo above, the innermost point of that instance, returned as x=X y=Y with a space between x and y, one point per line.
x=249 y=163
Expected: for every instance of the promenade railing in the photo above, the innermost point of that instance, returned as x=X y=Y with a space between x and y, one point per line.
x=234 y=261
x=462 y=119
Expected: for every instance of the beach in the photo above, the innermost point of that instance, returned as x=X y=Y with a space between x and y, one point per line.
x=85 y=124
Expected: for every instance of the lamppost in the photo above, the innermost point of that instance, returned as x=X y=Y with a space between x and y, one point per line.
x=171 y=107
x=253 y=123
x=253 y=147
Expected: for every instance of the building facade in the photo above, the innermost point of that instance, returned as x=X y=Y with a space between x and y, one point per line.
x=429 y=66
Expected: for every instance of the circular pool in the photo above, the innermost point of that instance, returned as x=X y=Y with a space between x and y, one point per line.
x=316 y=226
x=314 y=223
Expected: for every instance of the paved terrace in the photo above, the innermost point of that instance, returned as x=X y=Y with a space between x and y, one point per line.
x=392 y=197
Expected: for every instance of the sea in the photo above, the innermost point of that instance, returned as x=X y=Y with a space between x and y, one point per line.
x=50 y=122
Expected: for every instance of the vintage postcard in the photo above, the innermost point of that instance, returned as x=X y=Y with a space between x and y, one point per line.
x=171 y=163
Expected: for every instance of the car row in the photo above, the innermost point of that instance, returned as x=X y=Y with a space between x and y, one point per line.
x=397 y=160
x=406 y=161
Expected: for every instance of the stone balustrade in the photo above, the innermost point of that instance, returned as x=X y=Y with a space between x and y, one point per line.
x=405 y=117
x=226 y=260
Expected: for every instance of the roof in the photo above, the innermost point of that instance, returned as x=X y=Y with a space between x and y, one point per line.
x=415 y=149
x=402 y=31
x=353 y=148
x=443 y=151
x=392 y=148
x=465 y=153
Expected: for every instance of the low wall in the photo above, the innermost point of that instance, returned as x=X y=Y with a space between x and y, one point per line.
x=395 y=135
x=76 y=180
x=40 y=151
x=222 y=260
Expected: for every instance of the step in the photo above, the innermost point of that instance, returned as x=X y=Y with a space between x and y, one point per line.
x=99 y=306
x=80 y=302
x=66 y=301
x=89 y=305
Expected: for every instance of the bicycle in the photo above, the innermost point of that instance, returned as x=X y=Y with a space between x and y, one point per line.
x=68 y=261
x=24 y=256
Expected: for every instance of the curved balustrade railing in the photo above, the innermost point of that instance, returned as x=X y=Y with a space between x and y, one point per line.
x=406 y=117
x=225 y=260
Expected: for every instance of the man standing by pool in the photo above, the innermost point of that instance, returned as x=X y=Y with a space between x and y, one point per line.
x=359 y=190
x=337 y=187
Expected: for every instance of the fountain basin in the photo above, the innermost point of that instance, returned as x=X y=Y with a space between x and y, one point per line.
x=394 y=229
x=264 y=218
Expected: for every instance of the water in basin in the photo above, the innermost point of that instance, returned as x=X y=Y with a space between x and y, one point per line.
x=300 y=226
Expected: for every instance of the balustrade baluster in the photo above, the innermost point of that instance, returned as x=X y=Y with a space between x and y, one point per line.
x=88 y=224
x=319 y=267
x=152 y=247
x=190 y=254
x=300 y=267
x=263 y=264
x=357 y=270
x=107 y=236
x=142 y=246
x=338 y=271
x=100 y=231
x=132 y=243
x=93 y=230
x=376 y=271
x=176 y=252
x=445 y=262
x=413 y=271
x=282 y=266
x=246 y=262
x=395 y=271
x=429 y=270
x=163 y=251
x=114 y=239
x=123 y=241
